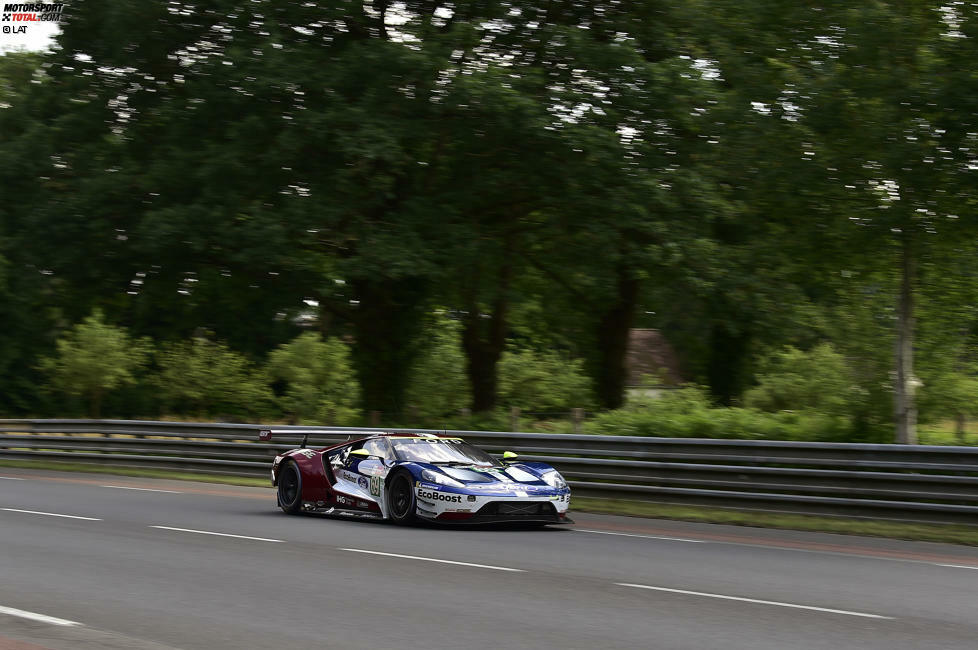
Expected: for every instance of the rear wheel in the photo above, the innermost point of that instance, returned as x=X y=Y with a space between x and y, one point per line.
x=290 y=488
x=400 y=499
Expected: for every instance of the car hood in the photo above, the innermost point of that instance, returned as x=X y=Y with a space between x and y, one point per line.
x=510 y=477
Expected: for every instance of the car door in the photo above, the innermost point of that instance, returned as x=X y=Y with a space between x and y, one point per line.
x=375 y=467
x=359 y=478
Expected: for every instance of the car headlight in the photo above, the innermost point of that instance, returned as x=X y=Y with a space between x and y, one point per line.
x=439 y=478
x=554 y=480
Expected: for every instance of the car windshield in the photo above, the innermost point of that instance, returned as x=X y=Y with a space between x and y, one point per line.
x=441 y=451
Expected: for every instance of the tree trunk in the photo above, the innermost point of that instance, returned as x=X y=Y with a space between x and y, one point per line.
x=95 y=404
x=483 y=341
x=386 y=322
x=904 y=405
x=612 y=333
x=727 y=367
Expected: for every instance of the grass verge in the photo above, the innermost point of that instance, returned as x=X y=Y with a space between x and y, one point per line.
x=947 y=533
x=137 y=471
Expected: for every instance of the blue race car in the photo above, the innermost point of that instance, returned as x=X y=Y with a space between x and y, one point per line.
x=409 y=477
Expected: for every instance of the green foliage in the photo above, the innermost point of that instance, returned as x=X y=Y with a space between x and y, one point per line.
x=792 y=379
x=439 y=388
x=688 y=413
x=320 y=385
x=94 y=358
x=949 y=394
x=203 y=378
x=543 y=381
x=741 y=177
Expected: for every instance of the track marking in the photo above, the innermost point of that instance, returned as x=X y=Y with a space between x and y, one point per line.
x=41 y=618
x=792 y=549
x=671 y=539
x=50 y=514
x=754 y=600
x=208 y=532
x=432 y=559
x=126 y=487
x=11 y=478
x=959 y=566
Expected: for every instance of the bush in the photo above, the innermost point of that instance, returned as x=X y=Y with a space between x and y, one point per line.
x=439 y=388
x=793 y=379
x=688 y=413
x=204 y=379
x=320 y=384
x=93 y=359
x=543 y=382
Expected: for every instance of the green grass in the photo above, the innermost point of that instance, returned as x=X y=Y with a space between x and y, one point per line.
x=135 y=471
x=948 y=533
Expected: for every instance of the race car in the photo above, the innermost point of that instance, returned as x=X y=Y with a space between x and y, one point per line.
x=406 y=477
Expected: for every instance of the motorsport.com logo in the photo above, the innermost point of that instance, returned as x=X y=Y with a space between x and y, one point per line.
x=32 y=12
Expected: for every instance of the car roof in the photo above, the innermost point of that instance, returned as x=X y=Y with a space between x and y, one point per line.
x=426 y=436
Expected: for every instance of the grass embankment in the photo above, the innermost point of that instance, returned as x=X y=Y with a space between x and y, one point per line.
x=136 y=471
x=947 y=533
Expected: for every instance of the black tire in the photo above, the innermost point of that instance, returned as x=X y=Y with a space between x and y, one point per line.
x=290 y=488
x=401 y=504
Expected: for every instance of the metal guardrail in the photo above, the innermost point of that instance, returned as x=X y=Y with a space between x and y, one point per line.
x=904 y=482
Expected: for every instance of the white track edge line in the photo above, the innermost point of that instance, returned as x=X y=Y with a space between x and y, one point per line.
x=959 y=566
x=432 y=559
x=11 y=478
x=671 y=539
x=756 y=601
x=209 y=532
x=126 y=487
x=774 y=547
x=49 y=514
x=41 y=618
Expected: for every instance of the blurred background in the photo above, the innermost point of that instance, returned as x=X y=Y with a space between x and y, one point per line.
x=696 y=218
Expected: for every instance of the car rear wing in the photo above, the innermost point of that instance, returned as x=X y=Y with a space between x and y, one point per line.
x=265 y=435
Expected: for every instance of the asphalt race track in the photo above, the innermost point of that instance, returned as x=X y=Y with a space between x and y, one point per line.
x=92 y=561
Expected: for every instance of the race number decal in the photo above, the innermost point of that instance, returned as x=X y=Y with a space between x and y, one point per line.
x=375 y=483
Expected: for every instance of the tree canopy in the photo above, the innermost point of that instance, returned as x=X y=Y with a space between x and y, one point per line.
x=290 y=193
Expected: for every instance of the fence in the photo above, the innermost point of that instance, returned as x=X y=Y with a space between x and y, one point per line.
x=905 y=482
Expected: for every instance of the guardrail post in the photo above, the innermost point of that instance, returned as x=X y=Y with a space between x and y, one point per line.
x=577 y=416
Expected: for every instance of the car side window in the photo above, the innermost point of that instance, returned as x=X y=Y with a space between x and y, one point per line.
x=378 y=447
x=339 y=456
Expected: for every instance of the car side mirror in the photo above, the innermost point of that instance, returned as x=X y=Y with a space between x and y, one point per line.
x=363 y=454
x=509 y=457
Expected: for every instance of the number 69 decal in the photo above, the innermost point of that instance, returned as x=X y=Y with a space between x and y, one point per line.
x=375 y=482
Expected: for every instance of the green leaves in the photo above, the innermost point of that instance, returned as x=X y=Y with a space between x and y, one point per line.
x=94 y=358
x=203 y=378
x=320 y=385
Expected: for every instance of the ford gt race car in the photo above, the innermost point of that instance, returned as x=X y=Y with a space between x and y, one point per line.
x=404 y=477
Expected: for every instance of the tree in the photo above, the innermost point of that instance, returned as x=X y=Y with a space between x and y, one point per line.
x=890 y=106
x=94 y=358
x=320 y=384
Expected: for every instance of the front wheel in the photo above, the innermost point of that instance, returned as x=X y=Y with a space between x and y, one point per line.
x=290 y=488
x=400 y=499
